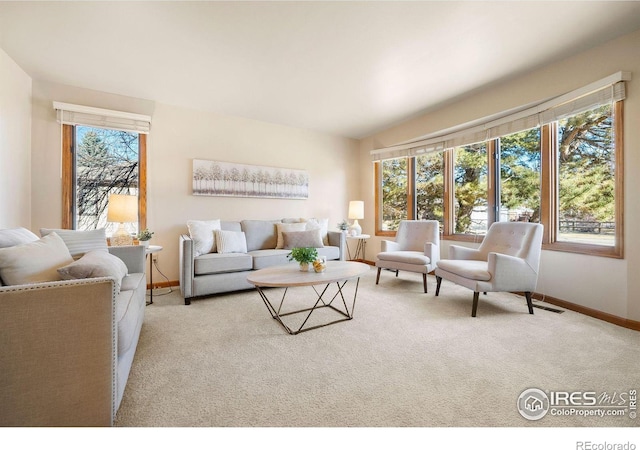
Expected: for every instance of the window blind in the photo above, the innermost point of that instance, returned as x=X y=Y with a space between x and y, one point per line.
x=69 y=114
x=607 y=90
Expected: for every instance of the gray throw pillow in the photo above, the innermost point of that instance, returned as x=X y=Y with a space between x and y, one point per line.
x=94 y=264
x=309 y=238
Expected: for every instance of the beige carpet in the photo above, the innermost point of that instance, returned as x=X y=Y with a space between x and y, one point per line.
x=407 y=359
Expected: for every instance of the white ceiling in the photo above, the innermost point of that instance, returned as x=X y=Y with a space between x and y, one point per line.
x=344 y=68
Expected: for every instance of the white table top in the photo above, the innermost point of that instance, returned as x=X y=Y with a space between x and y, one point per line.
x=359 y=236
x=291 y=275
x=153 y=249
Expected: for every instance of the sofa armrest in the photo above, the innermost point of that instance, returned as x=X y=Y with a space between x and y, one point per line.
x=186 y=267
x=58 y=355
x=460 y=252
x=338 y=239
x=132 y=255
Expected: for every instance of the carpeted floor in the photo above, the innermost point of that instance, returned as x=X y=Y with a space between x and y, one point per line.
x=407 y=359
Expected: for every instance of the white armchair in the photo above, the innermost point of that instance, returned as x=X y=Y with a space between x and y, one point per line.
x=507 y=261
x=416 y=249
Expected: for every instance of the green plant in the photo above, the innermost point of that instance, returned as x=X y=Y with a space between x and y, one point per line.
x=303 y=254
x=145 y=235
x=344 y=225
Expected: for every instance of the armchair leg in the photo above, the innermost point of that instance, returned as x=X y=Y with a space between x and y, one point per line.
x=475 y=304
x=397 y=271
x=529 y=303
x=438 y=281
x=378 y=276
x=424 y=282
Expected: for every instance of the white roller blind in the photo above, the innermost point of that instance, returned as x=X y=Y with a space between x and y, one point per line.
x=70 y=114
x=601 y=92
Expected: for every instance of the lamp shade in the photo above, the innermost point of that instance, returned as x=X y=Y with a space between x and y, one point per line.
x=356 y=209
x=122 y=208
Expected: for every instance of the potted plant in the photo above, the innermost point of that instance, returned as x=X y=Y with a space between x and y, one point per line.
x=304 y=256
x=144 y=236
x=344 y=225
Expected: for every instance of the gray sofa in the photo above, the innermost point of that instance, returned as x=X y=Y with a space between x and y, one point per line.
x=68 y=346
x=213 y=273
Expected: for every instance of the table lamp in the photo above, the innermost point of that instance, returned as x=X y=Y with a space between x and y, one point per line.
x=122 y=209
x=356 y=211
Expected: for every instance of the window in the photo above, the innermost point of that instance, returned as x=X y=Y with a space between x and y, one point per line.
x=98 y=162
x=430 y=187
x=566 y=174
x=394 y=193
x=470 y=173
x=520 y=175
x=586 y=176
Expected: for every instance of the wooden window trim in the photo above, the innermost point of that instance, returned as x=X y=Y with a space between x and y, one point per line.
x=68 y=177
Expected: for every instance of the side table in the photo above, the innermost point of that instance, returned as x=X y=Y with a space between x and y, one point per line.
x=360 y=247
x=150 y=250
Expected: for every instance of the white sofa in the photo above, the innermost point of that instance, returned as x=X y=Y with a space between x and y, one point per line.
x=68 y=345
x=213 y=272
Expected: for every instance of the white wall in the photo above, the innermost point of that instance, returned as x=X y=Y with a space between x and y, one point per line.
x=178 y=136
x=604 y=284
x=15 y=145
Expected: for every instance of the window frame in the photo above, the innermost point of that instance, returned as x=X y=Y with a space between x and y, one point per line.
x=69 y=174
x=548 y=192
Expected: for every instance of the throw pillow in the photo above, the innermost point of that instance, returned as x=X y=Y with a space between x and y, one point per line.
x=34 y=262
x=309 y=238
x=94 y=264
x=322 y=225
x=16 y=236
x=80 y=242
x=282 y=227
x=231 y=241
x=201 y=231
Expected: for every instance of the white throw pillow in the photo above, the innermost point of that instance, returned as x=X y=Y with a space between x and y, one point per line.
x=281 y=227
x=16 y=236
x=94 y=264
x=231 y=241
x=80 y=242
x=322 y=225
x=201 y=232
x=34 y=262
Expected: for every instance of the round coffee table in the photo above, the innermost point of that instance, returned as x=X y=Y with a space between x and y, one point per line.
x=290 y=275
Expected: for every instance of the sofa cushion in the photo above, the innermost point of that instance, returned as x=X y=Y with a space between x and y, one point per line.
x=80 y=242
x=16 y=236
x=34 y=262
x=202 y=235
x=285 y=227
x=308 y=238
x=94 y=264
x=231 y=241
x=130 y=305
x=330 y=252
x=260 y=234
x=268 y=258
x=220 y=263
x=475 y=270
x=407 y=257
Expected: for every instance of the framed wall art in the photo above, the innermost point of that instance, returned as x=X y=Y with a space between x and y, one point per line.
x=218 y=178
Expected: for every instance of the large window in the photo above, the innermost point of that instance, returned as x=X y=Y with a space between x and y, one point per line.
x=566 y=174
x=586 y=167
x=470 y=180
x=98 y=162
